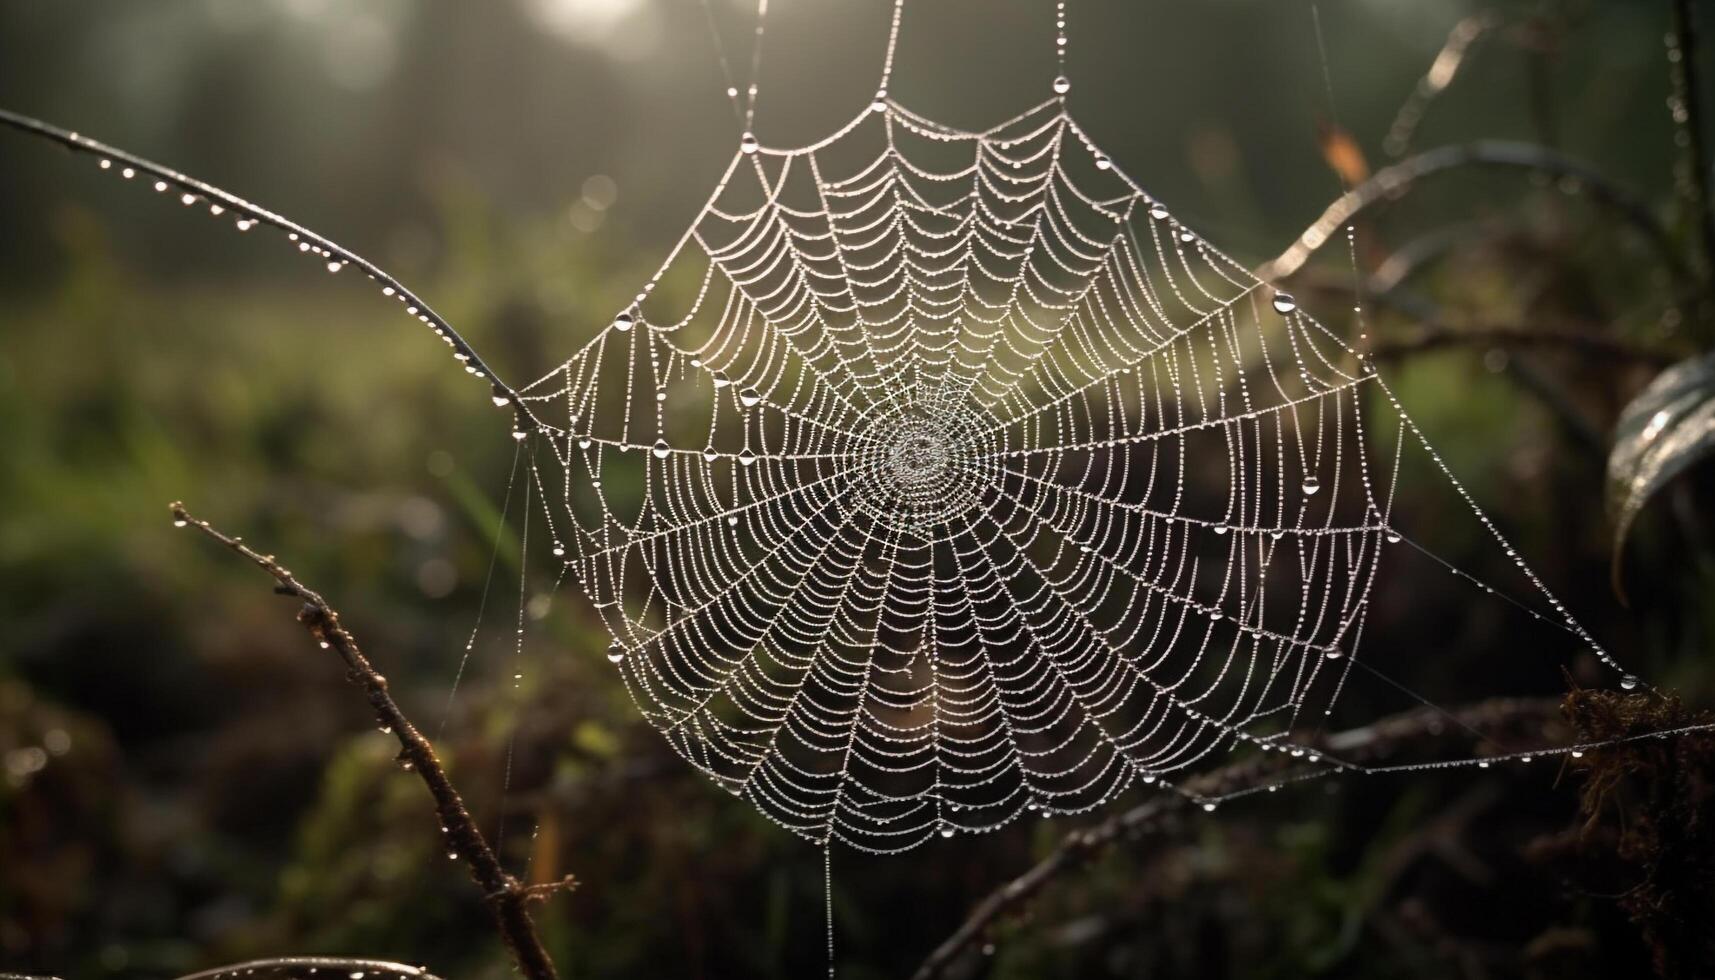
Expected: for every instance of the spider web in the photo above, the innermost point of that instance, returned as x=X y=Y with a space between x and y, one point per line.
x=941 y=476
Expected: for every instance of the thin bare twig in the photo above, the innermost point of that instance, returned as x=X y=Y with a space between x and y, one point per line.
x=1159 y=814
x=192 y=191
x=1393 y=181
x=1442 y=71
x=1512 y=336
x=309 y=967
x=508 y=899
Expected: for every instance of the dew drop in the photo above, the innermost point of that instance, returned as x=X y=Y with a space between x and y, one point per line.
x=746 y=457
x=1220 y=529
x=615 y=653
x=583 y=442
x=335 y=265
x=106 y=164
x=180 y=522
x=128 y=173
x=1158 y=211
x=1208 y=808
x=1629 y=682
x=187 y=199
x=1393 y=537
x=245 y=224
x=1284 y=303
x=501 y=401
x=1311 y=484
x=709 y=455
x=559 y=550
x=216 y=210
x=720 y=379
x=1103 y=163
x=662 y=449
x=747 y=144
x=1062 y=85
x=880 y=103
x=946 y=831
x=519 y=434
x=748 y=398
x=623 y=322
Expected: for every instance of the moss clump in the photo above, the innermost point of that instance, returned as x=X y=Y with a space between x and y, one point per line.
x=1649 y=809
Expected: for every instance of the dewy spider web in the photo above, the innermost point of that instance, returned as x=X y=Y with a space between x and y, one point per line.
x=965 y=480
x=941 y=476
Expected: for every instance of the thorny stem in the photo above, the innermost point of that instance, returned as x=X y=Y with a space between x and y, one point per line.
x=1686 y=105
x=508 y=899
x=1161 y=813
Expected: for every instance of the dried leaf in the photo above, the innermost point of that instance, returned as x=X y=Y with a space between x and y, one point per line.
x=1343 y=154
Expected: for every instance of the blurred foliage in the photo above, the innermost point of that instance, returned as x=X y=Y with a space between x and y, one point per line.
x=1666 y=430
x=188 y=783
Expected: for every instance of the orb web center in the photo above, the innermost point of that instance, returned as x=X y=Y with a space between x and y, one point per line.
x=924 y=458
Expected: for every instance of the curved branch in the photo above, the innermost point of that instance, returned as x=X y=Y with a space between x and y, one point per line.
x=193 y=191
x=1160 y=814
x=1392 y=181
x=1514 y=336
x=508 y=899
x=1436 y=331
x=1442 y=71
x=310 y=967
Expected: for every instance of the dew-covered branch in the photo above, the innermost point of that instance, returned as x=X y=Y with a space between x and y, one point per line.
x=246 y=215
x=313 y=968
x=508 y=898
x=1163 y=812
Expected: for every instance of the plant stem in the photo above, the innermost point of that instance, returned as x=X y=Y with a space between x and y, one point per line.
x=1686 y=105
x=507 y=898
x=1513 y=336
